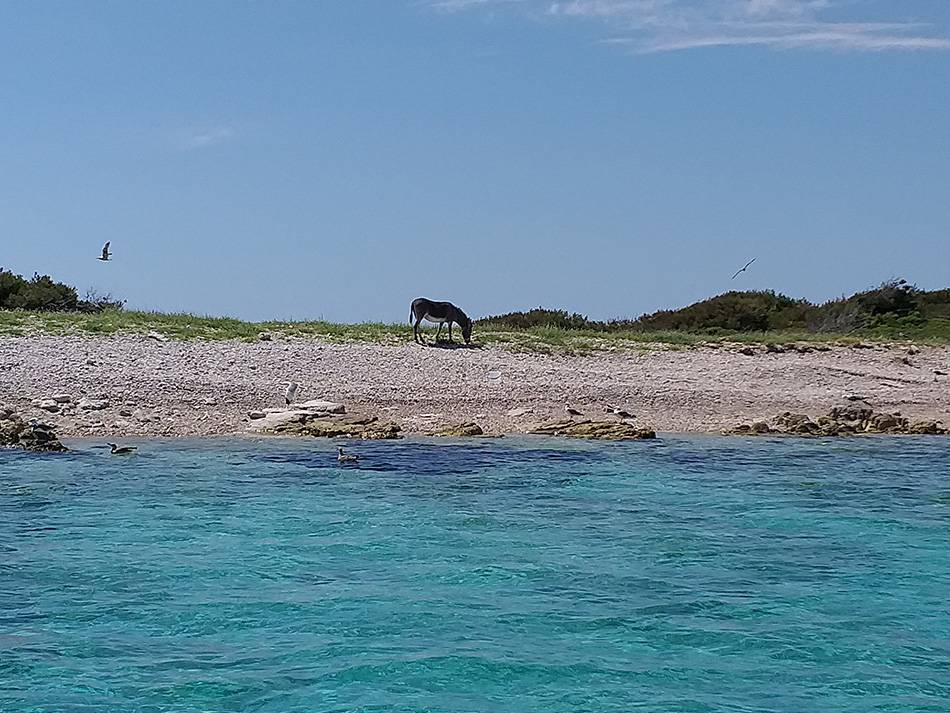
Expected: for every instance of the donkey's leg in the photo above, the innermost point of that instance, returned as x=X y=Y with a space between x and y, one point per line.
x=450 y=333
x=438 y=334
x=419 y=339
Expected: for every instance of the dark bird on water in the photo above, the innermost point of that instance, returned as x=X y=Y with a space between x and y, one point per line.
x=106 y=255
x=744 y=268
x=346 y=457
x=120 y=451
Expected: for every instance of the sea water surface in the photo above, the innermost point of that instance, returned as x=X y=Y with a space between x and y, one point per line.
x=686 y=574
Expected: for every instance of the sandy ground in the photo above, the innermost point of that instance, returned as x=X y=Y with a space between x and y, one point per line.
x=200 y=388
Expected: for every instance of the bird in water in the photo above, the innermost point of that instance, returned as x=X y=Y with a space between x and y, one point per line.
x=120 y=450
x=346 y=457
x=291 y=393
x=743 y=269
x=106 y=255
x=572 y=411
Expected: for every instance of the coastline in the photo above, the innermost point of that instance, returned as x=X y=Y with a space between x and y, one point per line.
x=138 y=386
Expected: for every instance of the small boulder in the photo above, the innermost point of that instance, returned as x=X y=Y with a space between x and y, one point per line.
x=926 y=428
x=47 y=405
x=596 y=430
x=518 y=412
x=461 y=430
x=34 y=436
x=87 y=404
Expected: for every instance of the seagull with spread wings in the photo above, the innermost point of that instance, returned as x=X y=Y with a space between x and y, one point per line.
x=106 y=255
x=743 y=268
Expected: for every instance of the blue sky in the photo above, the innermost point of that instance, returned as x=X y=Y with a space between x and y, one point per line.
x=336 y=159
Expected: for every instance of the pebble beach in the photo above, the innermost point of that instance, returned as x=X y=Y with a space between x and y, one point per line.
x=137 y=386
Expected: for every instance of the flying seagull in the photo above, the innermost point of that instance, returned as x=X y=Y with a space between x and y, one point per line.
x=105 y=252
x=346 y=457
x=743 y=269
x=291 y=393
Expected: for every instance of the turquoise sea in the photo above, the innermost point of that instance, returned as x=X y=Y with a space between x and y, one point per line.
x=686 y=574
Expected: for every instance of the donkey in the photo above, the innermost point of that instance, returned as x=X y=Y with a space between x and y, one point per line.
x=440 y=313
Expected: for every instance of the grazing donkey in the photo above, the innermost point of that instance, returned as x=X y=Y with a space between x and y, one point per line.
x=440 y=313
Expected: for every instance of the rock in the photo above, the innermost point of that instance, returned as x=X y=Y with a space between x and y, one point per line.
x=929 y=428
x=774 y=349
x=93 y=404
x=265 y=337
x=255 y=415
x=320 y=406
x=884 y=423
x=461 y=430
x=157 y=336
x=851 y=413
x=596 y=430
x=34 y=436
x=125 y=413
x=841 y=421
x=209 y=402
x=367 y=428
x=518 y=412
x=61 y=398
x=47 y=405
x=748 y=351
x=913 y=350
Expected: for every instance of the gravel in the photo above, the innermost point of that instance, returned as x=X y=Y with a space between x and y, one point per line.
x=199 y=388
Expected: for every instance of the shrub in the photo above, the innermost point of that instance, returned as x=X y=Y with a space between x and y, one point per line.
x=538 y=317
x=94 y=303
x=42 y=294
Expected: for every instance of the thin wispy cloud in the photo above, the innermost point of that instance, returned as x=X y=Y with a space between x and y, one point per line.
x=208 y=137
x=645 y=26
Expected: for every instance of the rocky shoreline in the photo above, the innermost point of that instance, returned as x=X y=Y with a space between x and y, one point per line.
x=134 y=386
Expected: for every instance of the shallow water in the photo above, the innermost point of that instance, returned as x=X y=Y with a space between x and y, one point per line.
x=514 y=575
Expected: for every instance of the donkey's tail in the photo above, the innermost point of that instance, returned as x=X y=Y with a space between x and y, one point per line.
x=411 y=315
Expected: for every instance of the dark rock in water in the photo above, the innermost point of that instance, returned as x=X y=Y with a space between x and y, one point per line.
x=32 y=436
x=461 y=430
x=596 y=430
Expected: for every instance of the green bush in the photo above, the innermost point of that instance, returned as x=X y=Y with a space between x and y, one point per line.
x=42 y=294
x=893 y=304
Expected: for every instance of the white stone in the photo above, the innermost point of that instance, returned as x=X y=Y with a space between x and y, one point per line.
x=47 y=405
x=93 y=404
x=61 y=398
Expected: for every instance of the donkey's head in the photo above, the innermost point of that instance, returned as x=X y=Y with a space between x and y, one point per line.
x=466 y=324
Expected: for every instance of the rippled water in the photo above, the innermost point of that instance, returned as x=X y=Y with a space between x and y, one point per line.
x=682 y=575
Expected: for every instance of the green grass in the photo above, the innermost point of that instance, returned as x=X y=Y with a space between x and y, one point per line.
x=537 y=339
